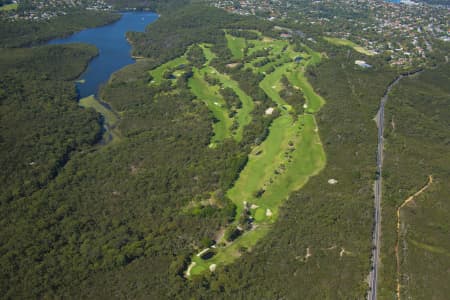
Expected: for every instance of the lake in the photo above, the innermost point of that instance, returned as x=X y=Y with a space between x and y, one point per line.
x=114 y=49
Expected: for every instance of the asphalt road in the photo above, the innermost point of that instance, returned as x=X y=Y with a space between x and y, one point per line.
x=373 y=276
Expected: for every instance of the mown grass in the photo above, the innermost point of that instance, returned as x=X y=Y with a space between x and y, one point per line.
x=283 y=163
x=232 y=252
x=236 y=45
x=243 y=116
x=210 y=96
x=313 y=101
x=209 y=55
x=347 y=43
x=7 y=7
x=158 y=72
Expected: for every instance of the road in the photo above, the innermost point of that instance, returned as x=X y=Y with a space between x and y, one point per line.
x=373 y=276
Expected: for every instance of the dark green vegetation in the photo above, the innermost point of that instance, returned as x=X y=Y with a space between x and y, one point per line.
x=124 y=220
x=40 y=119
x=417 y=144
x=26 y=33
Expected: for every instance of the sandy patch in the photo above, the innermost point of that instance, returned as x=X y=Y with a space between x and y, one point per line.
x=269 y=111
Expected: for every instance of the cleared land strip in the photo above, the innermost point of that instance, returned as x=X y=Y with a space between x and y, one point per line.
x=111 y=133
x=347 y=43
x=397 y=252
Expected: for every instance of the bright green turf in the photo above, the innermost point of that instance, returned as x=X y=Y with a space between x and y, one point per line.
x=158 y=72
x=236 y=45
x=12 y=6
x=230 y=253
x=283 y=163
x=272 y=86
x=347 y=43
x=314 y=101
x=211 y=97
x=209 y=55
x=243 y=115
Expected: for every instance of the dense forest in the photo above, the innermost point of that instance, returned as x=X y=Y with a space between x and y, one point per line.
x=417 y=138
x=90 y=221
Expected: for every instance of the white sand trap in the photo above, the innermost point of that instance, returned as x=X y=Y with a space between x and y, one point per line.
x=217 y=104
x=332 y=181
x=274 y=87
x=212 y=267
x=254 y=206
x=308 y=253
x=305 y=105
x=268 y=213
x=269 y=111
x=188 y=271
x=202 y=252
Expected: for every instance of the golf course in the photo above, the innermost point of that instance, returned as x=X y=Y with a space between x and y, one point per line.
x=291 y=153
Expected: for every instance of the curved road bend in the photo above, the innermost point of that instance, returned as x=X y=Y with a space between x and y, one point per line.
x=379 y=119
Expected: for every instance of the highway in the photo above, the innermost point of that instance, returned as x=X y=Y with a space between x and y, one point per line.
x=373 y=276
x=379 y=118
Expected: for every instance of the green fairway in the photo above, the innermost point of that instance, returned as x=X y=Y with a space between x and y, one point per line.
x=271 y=85
x=110 y=118
x=243 y=116
x=209 y=55
x=169 y=66
x=12 y=6
x=210 y=96
x=283 y=163
x=229 y=254
x=236 y=45
x=313 y=101
x=347 y=43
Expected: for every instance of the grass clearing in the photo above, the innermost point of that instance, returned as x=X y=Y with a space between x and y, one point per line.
x=8 y=7
x=209 y=55
x=210 y=96
x=110 y=118
x=158 y=73
x=313 y=101
x=347 y=43
x=236 y=45
x=283 y=163
x=243 y=116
